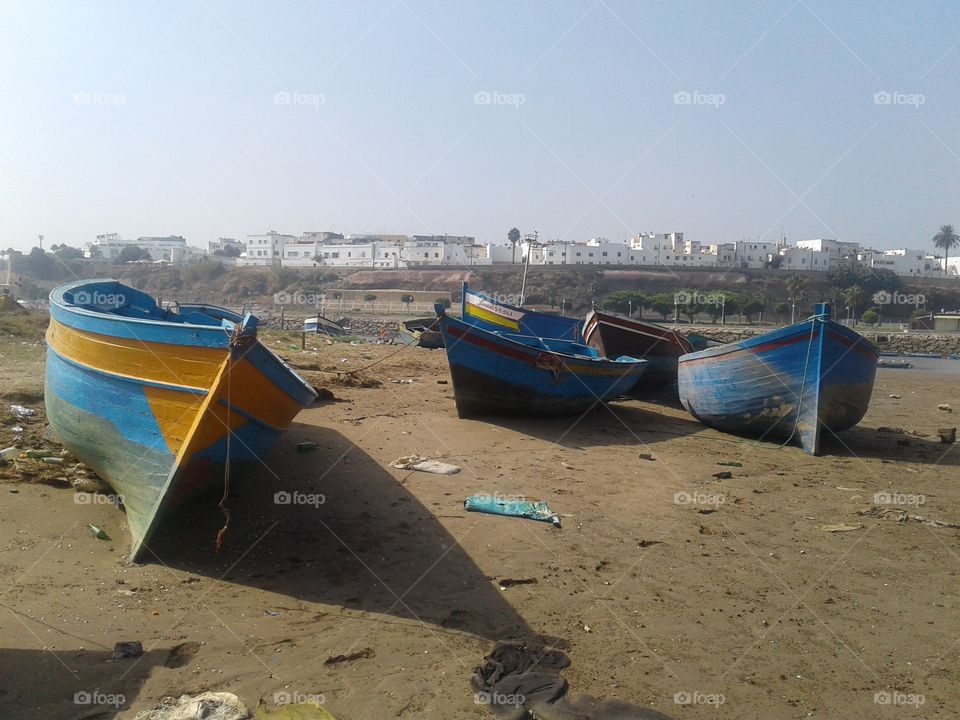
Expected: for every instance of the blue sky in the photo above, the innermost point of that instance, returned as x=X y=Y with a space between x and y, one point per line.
x=724 y=120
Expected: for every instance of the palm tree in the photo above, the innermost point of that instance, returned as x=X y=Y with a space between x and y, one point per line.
x=853 y=296
x=514 y=237
x=946 y=239
x=795 y=285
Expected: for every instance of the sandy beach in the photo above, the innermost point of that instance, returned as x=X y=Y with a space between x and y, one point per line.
x=784 y=591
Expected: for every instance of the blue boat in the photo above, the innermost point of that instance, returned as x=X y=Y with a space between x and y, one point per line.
x=157 y=400
x=489 y=313
x=511 y=374
x=790 y=383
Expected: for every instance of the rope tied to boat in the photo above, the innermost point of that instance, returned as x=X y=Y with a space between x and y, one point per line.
x=238 y=342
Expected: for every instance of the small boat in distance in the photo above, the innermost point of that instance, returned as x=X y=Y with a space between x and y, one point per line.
x=487 y=312
x=157 y=400
x=789 y=383
x=323 y=326
x=510 y=374
x=424 y=333
x=894 y=364
x=614 y=335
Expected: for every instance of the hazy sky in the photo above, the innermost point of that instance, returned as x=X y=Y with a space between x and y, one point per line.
x=724 y=120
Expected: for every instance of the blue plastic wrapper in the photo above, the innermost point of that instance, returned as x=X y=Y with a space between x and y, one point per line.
x=499 y=505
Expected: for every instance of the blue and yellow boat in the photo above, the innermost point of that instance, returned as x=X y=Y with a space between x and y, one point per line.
x=505 y=373
x=489 y=313
x=157 y=400
x=790 y=383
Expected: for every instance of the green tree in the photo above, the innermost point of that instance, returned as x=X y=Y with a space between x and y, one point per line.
x=132 y=253
x=514 y=237
x=369 y=298
x=662 y=304
x=445 y=302
x=946 y=240
x=781 y=309
x=65 y=252
x=406 y=300
x=625 y=301
x=870 y=317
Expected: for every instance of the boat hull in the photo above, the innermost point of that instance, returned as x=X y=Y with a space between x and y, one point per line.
x=661 y=347
x=156 y=415
x=791 y=383
x=498 y=374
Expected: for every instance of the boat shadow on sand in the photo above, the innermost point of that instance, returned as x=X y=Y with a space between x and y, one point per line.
x=889 y=444
x=622 y=422
x=368 y=543
x=71 y=684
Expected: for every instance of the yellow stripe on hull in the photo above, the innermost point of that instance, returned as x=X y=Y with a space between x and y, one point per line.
x=191 y=367
x=491 y=317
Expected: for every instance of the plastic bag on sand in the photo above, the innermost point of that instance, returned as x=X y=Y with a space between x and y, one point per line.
x=302 y=711
x=208 y=705
x=415 y=462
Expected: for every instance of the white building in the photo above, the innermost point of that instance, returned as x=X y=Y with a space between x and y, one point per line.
x=107 y=246
x=836 y=252
x=903 y=261
x=265 y=250
x=221 y=244
x=754 y=253
x=170 y=248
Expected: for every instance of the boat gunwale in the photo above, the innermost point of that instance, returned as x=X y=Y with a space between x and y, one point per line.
x=785 y=335
x=57 y=299
x=635 y=364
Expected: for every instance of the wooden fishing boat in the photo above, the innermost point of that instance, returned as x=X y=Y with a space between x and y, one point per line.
x=423 y=333
x=507 y=373
x=790 y=383
x=615 y=335
x=156 y=400
x=322 y=326
x=489 y=313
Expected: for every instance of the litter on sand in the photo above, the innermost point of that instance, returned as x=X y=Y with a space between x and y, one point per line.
x=839 y=527
x=98 y=533
x=497 y=505
x=902 y=516
x=300 y=711
x=208 y=705
x=21 y=411
x=415 y=462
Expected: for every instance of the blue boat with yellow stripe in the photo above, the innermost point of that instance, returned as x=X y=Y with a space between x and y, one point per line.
x=489 y=313
x=158 y=401
x=505 y=373
x=791 y=383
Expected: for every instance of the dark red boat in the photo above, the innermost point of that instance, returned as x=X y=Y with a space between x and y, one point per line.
x=616 y=335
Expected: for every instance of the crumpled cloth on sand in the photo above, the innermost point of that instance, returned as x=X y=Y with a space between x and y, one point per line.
x=516 y=679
